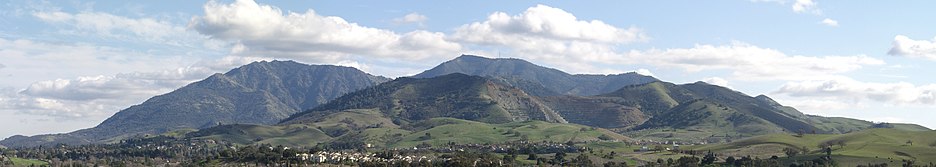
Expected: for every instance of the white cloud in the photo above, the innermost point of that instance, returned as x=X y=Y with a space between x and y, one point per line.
x=829 y=22
x=904 y=46
x=819 y=105
x=2 y=66
x=717 y=81
x=105 y=25
x=847 y=89
x=411 y=18
x=645 y=72
x=38 y=60
x=95 y=97
x=544 y=22
x=550 y=35
x=799 y=6
x=751 y=62
x=806 y=6
x=264 y=30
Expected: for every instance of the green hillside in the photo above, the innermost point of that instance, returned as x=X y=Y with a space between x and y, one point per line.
x=435 y=131
x=444 y=130
x=703 y=120
x=454 y=95
x=867 y=146
x=288 y=135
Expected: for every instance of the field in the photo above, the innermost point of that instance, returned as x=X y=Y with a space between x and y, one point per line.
x=28 y=162
x=862 y=147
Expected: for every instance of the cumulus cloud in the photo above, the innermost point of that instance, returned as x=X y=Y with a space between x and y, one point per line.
x=411 y=18
x=904 y=46
x=716 y=81
x=798 y=6
x=847 y=89
x=752 y=62
x=550 y=34
x=544 y=22
x=806 y=6
x=829 y=22
x=819 y=105
x=264 y=30
x=642 y=71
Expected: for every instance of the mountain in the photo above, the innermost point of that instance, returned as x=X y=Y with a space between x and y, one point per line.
x=454 y=95
x=256 y=93
x=710 y=112
x=534 y=79
x=707 y=110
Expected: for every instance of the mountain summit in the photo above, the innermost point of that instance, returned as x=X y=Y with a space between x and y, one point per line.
x=256 y=93
x=534 y=79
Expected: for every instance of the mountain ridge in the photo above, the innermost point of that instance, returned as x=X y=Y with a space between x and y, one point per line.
x=257 y=93
x=545 y=81
x=287 y=94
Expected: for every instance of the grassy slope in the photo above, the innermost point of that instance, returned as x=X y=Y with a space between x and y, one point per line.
x=871 y=144
x=838 y=124
x=444 y=130
x=28 y=162
x=698 y=120
x=289 y=135
x=910 y=127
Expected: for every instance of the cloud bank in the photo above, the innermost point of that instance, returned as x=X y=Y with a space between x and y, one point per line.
x=263 y=30
x=906 y=47
x=847 y=89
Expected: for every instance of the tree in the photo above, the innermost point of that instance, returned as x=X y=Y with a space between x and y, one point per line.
x=615 y=164
x=531 y=156
x=658 y=148
x=507 y=158
x=909 y=142
x=582 y=160
x=559 y=158
x=688 y=161
x=790 y=152
x=840 y=143
x=709 y=158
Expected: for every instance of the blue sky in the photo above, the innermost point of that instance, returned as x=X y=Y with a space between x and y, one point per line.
x=68 y=65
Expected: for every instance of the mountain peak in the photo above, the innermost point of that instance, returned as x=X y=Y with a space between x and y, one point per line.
x=261 y=92
x=535 y=79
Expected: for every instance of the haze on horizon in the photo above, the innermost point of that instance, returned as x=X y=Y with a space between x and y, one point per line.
x=66 y=66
